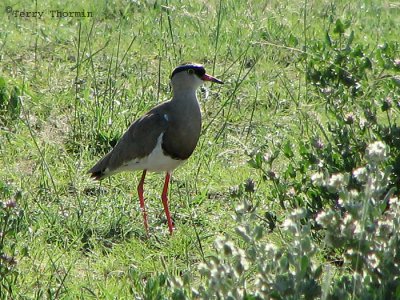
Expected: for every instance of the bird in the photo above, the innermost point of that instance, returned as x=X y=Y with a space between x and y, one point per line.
x=162 y=139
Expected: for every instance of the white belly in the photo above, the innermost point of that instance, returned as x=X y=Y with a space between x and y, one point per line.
x=156 y=161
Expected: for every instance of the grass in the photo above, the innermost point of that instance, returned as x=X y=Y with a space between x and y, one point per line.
x=80 y=82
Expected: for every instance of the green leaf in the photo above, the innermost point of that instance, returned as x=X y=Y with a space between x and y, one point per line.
x=347 y=23
x=357 y=51
x=306 y=245
x=290 y=171
x=305 y=262
x=367 y=64
x=258 y=232
x=256 y=161
x=178 y=295
x=259 y=159
x=328 y=39
x=287 y=150
x=14 y=106
x=350 y=39
x=293 y=41
x=284 y=264
x=252 y=163
x=318 y=272
x=2 y=83
x=3 y=93
x=339 y=27
x=396 y=81
x=303 y=149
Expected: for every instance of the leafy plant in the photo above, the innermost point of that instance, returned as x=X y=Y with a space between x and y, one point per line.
x=340 y=73
x=10 y=217
x=362 y=230
x=10 y=102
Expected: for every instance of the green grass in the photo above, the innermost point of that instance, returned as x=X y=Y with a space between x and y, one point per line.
x=82 y=81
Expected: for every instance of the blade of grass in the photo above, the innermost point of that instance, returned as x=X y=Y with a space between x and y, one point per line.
x=218 y=30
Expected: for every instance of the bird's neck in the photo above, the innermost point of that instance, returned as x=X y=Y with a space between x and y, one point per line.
x=185 y=95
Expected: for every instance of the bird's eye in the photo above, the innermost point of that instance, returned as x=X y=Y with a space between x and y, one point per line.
x=190 y=71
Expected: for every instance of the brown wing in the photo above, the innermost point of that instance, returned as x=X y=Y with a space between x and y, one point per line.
x=138 y=141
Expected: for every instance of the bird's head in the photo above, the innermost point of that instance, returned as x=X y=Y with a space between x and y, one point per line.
x=190 y=76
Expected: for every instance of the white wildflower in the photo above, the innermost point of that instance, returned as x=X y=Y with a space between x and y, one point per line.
x=376 y=152
x=385 y=228
x=321 y=218
x=298 y=214
x=268 y=157
x=291 y=192
x=373 y=260
x=204 y=269
x=360 y=174
x=219 y=243
x=358 y=229
x=318 y=179
x=289 y=225
x=240 y=209
x=336 y=181
x=326 y=218
x=394 y=204
x=241 y=264
x=348 y=197
x=353 y=194
x=363 y=123
x=270 y=249
x=348 y=219
x=393 y=201
x=396 y=80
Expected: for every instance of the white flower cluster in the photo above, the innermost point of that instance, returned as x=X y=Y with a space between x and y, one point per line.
x=376 y=153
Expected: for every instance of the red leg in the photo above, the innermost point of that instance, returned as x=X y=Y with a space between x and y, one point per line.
x=141 y=200
x=164 y=198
